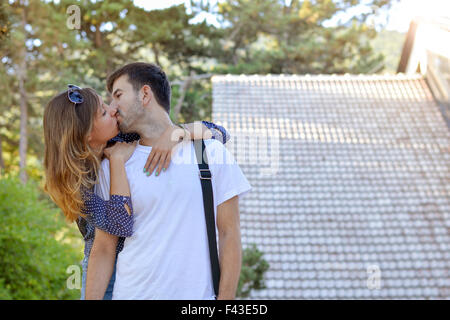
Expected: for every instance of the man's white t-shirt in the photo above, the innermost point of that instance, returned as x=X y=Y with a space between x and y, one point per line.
x=167 y=257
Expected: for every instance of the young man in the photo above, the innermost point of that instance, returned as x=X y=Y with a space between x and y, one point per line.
x=167 y=257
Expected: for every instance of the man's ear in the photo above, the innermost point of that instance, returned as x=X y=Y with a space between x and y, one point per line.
x=147 y=95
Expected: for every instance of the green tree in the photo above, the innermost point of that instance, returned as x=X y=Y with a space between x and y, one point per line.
x=272 y=36
x=32 y=62
x=99 y=45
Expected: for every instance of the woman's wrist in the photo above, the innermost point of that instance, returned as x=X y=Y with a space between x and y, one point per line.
x=117 y=158
x=185 y=132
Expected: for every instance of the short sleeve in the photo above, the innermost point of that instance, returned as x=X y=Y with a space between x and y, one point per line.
x=228 y=178
x=109 y=215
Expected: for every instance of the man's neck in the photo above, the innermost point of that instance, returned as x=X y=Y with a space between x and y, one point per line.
x=153 y=128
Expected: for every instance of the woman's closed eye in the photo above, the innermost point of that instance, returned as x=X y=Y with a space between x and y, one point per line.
x=105 y=109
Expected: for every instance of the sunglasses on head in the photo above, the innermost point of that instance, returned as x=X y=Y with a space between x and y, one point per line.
x=73 y=92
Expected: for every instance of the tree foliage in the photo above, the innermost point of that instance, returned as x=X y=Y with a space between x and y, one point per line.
x=273 y=36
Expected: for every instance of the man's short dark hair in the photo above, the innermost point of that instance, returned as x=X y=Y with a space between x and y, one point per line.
x=140 y=74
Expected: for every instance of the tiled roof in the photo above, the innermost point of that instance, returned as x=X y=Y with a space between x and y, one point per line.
x=361 y=189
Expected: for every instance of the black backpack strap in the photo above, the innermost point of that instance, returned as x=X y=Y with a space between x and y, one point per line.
x=208 y=204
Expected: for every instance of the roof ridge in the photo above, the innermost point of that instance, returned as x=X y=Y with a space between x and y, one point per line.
x=386 y=76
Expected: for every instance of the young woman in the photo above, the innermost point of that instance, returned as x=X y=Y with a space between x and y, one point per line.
x=78 y=126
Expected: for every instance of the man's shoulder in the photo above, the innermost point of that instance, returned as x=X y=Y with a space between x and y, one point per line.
x=213 y=144
x=209 y=143
x=218 y=153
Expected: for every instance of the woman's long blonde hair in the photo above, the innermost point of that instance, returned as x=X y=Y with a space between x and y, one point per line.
x=70 y=164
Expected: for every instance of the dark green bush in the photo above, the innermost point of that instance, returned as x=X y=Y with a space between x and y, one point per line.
x=252 y=272
x=33 y=263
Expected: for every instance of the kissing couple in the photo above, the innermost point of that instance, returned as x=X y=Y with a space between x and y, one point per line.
x=148 y=195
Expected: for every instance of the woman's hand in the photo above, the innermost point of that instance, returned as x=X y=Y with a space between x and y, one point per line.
x=162 y=150
x=120 y=150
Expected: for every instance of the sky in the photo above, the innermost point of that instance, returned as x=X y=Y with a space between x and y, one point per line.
x=402 y=13
x=399 y=16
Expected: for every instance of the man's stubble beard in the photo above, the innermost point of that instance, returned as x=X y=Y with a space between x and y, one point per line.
x=139 y=119
x=130 y=121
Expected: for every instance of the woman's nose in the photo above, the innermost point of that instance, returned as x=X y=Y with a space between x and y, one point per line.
x=112 y=110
